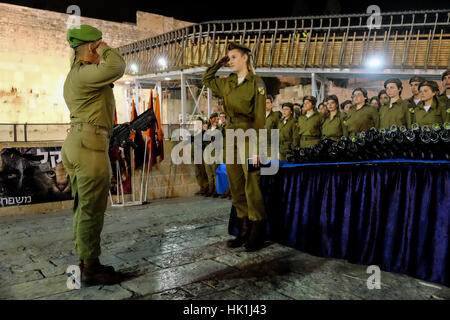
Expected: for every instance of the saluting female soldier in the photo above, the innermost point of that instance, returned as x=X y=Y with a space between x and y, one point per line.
x=309 y=124
x=430 y=110
x=287 y=127
x=396 y=112
x=245 y=103
x=361 y=116
x=89 y=96
x=333 y=127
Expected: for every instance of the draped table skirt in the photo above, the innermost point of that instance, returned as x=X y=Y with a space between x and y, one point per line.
x=394 y=214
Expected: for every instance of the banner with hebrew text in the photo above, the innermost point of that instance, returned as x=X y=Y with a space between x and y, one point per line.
x=32 y=175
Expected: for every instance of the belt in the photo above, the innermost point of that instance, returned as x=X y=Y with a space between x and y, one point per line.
x=86 y=127
x=239 y=119
x=309 y=138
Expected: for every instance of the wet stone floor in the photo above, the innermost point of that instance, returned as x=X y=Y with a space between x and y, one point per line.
x=175 y=249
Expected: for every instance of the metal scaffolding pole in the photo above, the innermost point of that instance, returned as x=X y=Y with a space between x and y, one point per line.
x=209 y=102
x=183 y=98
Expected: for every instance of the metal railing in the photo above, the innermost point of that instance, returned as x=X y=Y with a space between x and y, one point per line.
x=43 y=132
x=419 y=39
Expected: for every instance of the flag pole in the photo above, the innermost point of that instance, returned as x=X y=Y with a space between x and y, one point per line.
x=143 y=169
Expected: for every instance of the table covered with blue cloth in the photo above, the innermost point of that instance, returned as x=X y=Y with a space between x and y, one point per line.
x=393 y=213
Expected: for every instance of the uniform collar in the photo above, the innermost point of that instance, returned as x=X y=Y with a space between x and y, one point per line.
x=248 y=77
x=421 y=105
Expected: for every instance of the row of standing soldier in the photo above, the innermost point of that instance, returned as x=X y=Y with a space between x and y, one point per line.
x=309 y=125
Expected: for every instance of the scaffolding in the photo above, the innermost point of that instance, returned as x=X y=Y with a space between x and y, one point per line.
x=316 y=47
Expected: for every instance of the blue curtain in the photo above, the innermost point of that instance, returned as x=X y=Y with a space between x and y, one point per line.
x=394 y=215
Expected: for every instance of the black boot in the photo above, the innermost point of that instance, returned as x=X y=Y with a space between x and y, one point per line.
x=96 y=274
x=243 y=236
x=257 y=236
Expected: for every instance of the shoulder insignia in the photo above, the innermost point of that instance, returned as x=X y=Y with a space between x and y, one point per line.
x=261 y=87
x=448 y=110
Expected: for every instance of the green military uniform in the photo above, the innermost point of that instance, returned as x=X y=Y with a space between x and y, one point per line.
x=90 y=99
x=287 y=130
x=271 y=124
x=444 y=99
x=211 y=166
x=200 y=171
x=245 y=105
x=398 y=114
x=438 y=113
x=334 y=128
x=308 y=130
x=361 y=120
x=412 y=102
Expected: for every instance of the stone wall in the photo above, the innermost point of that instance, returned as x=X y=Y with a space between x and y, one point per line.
x=166 y=180
x=34 y=59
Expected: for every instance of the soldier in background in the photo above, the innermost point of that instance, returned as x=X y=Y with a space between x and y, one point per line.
x=297 y=110
x=333 y=126
x=383 y=97
x=396 y=112
x=444 y=97
x=200 y=171
x=309 y=124
x=430 y=110
x=272 y=118
x=287 y=128
x=213 y=128
x=414 y=83
x=361 y=116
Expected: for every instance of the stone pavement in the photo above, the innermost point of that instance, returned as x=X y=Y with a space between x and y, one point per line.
x=175 y=249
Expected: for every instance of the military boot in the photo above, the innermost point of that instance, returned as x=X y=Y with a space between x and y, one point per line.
x=201 y=192
x=242 y=237
x=96 y=274
x=257 y=236
x=107 y=268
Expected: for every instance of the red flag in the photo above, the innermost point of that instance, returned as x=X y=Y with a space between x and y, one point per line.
x=115 y=116
x=137 y=138
x=160 y=132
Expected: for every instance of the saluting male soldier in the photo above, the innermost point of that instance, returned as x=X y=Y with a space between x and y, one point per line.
x=396 y=112
x=430 y=110
x=272 y=119
x=361 y=116
x=414 y=82
x=444 y=98
x=308 y=124
x=89 y=96
x=333 y=126
x=287 y=127
x=245 y=103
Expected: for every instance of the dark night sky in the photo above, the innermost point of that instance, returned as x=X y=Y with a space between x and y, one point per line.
x=199 y=11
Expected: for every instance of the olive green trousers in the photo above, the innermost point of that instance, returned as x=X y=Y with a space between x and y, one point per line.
x=85 y=157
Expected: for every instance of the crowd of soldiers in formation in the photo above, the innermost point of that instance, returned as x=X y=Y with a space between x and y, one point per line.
x=305 y=124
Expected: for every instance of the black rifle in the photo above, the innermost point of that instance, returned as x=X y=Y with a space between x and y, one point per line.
x=121 y=133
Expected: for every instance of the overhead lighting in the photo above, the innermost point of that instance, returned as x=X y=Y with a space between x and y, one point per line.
x=134 y=68
x=167 y=79
x=127 y=82
x=162 y=62
x=374 y=62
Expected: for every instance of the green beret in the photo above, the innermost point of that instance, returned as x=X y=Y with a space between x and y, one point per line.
x=77 y=36
x=235 y=45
